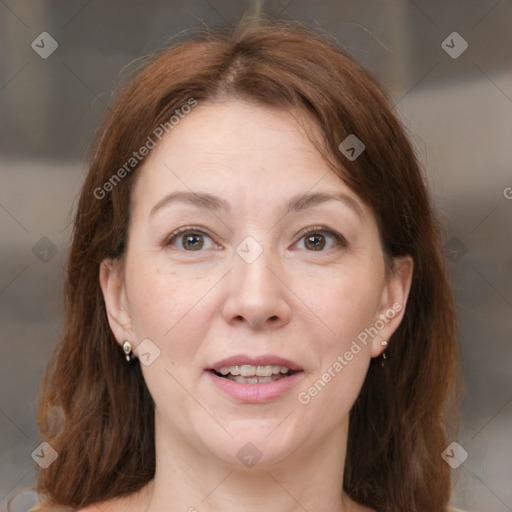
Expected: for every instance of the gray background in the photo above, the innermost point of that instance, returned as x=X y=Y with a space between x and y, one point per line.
x=458 y=111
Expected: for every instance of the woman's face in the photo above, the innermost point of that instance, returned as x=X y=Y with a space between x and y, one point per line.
x=265 y=269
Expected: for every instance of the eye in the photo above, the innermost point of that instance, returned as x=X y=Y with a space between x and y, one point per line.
x=190 y=238
x=315 y=239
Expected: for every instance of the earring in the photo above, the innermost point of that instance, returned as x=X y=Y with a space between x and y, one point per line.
x=384 y=344
x=127 y=349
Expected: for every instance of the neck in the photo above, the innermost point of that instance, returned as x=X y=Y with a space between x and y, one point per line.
x=310 y=478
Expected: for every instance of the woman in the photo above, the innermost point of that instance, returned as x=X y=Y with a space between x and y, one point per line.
x=258 y=315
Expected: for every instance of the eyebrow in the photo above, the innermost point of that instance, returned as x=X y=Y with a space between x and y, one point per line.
x=295 y=204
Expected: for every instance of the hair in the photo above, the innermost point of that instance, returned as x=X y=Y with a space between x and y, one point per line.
x=95 y=409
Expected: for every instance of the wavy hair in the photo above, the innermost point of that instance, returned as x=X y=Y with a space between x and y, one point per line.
x=398 y=426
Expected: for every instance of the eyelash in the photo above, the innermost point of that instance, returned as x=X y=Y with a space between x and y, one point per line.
x=341 y=240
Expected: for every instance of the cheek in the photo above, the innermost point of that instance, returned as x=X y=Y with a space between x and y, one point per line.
x=344 y=304
x=343 y=358
x=164 y=305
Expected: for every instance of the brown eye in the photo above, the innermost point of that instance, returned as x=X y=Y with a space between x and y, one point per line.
x=189 y=239
x=317 y=239
x=194 y=241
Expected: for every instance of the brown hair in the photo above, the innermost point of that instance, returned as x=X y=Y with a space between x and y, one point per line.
x=398 y=425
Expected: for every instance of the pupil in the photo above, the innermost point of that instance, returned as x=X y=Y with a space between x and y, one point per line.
x=319 y=244
x=193 y=244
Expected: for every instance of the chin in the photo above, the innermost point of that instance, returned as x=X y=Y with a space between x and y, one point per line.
x=246 y=450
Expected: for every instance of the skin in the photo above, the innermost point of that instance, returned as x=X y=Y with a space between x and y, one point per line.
x=200 y=306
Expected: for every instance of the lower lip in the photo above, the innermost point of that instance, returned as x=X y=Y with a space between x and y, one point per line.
x=256 y=393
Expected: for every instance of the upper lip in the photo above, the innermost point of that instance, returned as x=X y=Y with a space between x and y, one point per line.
x=263 y=360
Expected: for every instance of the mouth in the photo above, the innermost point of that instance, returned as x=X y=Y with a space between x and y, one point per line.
x=251 y=374
x=257 y=380
x=246 y=369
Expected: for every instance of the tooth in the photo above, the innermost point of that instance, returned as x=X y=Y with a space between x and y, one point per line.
x=254 y=380
x=247 y=370
x=264 y=380
x=264 y=371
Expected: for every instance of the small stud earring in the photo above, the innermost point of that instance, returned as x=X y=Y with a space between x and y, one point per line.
x=127 y=349
x=383 y=343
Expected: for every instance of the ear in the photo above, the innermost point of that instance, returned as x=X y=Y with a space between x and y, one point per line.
x=116 y=303
x=393 y=302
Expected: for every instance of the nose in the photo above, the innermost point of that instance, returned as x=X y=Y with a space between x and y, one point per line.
x=258 y=294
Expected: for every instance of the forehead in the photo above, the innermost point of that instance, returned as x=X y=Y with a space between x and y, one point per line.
x=252 y=151
x=234 y=130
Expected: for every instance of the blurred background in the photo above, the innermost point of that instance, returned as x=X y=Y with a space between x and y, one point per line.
x=448 y=66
